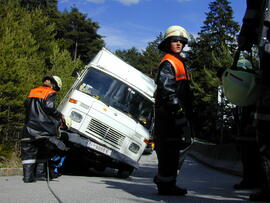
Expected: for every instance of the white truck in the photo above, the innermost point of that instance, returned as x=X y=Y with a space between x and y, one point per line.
x=111 y=107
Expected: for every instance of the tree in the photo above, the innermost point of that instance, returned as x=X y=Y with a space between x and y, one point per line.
x=28 y=52
x=131 y=56
x=214 y=47
x=48 y=6
x=42 y=4
x=79 y=35
x=146 y=61
x=219 y=28
x=152 y=57
x=219 y=31
x=63 y=66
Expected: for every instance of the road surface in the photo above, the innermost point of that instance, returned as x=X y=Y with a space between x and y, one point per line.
x=204 y=185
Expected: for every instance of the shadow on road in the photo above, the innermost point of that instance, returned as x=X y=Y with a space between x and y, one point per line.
x=203 y=185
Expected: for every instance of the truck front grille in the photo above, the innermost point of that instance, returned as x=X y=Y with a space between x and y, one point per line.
x=107 y=133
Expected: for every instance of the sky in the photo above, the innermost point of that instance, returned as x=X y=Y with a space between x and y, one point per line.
x=134 y=23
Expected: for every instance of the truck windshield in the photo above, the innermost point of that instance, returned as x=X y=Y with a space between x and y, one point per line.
x=119 y=95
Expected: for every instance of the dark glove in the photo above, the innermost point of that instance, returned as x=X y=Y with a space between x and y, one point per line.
x=58 y=143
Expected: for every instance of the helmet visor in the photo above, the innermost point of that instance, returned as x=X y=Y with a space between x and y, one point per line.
x=183 y=40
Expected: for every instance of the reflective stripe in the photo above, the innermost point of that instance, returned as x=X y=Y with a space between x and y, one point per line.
x=260 y=116
x=181 y=77
x=29 y=161
x=25 y=139
x=37 y=95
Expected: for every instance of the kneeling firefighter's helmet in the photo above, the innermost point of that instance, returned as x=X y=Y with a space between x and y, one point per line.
x=241 y=87
x=57 y=82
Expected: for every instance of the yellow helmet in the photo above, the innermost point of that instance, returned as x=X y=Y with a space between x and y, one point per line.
x=174 y=31
x=241 y=87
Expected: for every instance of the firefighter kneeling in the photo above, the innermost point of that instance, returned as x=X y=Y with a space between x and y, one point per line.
x=41 y=128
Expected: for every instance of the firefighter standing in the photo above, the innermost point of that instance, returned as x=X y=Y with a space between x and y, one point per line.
x=255 y=31
x=41 y=125
x=246 y=140
x=173 y=97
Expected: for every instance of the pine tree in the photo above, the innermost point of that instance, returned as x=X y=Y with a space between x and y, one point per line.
x=79 y=35
x=20 y=64
x=147 y=61
x=152 y=57
x=28 y=51
x=77 y=32
x=131 y=56
x=49 y=7
x=213 y=48
x=219 y=28
x=63 y=66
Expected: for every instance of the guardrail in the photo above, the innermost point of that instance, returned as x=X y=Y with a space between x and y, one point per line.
x=223 y=157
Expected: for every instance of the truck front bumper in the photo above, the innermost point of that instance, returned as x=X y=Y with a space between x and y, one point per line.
x=84 y=142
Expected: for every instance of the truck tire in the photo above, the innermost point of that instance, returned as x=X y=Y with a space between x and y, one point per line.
x=100 y=168
x=124 y=173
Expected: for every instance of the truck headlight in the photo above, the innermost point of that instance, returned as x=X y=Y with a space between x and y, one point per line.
x=134 y=147
x=76 y=117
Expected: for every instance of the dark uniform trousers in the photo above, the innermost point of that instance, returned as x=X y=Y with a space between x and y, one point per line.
x=262 y=122
x=35 y=154
x=168 y=154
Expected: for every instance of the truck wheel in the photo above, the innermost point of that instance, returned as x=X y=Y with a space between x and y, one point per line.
x=100 y=168
x=124 y=173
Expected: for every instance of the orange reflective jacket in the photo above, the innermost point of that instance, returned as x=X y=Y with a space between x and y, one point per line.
x=41 y=92
x=179 y=69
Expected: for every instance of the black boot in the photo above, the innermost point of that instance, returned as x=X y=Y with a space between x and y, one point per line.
x=169 y=188
x=41 y=171
x=29 y=173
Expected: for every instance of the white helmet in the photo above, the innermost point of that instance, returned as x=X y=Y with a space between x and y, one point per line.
x=58 y=81
x=174 y=31
x=241 y=87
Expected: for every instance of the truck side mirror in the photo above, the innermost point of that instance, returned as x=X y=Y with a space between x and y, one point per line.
x=76 y=72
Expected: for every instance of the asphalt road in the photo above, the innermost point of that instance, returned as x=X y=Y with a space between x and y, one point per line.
x=204 y=185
